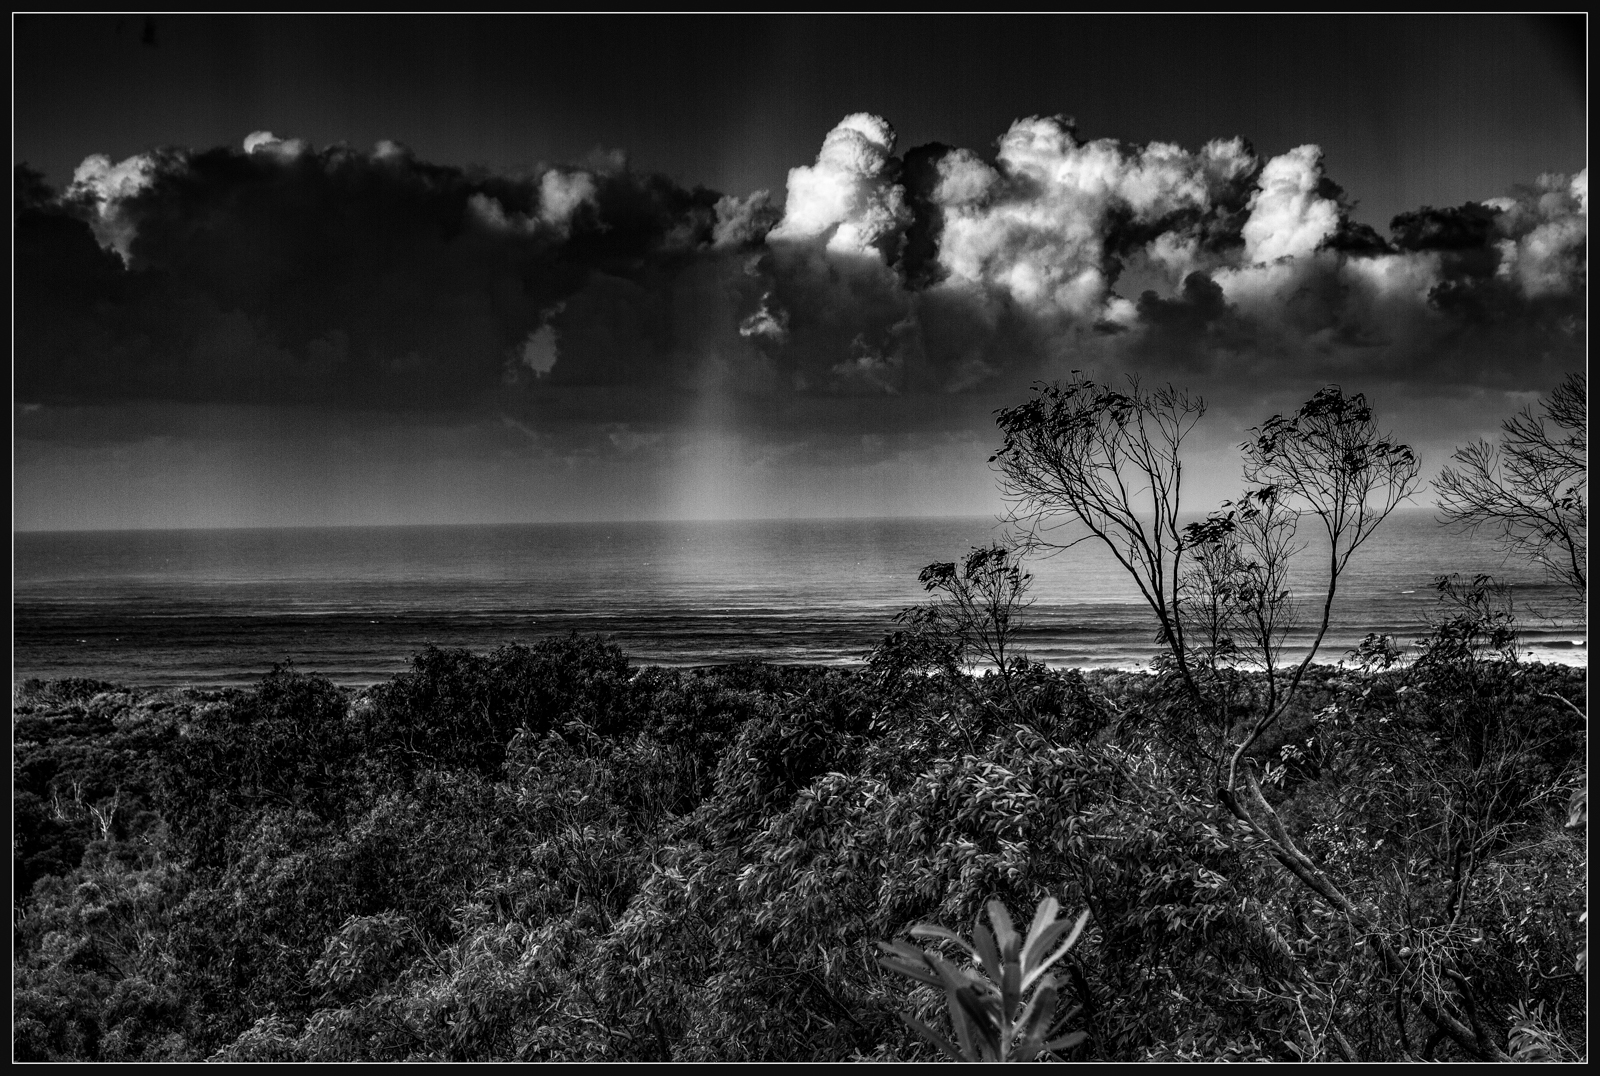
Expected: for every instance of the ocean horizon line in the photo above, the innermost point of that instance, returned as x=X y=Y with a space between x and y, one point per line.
x=17 y=531
x=1411 y=511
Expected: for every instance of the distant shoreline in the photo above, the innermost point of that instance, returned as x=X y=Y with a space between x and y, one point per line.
x=23 y=683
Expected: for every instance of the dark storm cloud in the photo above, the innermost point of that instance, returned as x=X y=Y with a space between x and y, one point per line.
x=282 y=275
x=888 y=294
x=1486 y=295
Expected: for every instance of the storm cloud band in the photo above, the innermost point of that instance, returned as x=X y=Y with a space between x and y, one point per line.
x=278 y=274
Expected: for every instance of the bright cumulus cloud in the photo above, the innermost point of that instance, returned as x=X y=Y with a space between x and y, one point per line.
x=848 y=195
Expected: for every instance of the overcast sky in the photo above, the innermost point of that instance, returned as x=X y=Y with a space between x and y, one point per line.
x=279 y=270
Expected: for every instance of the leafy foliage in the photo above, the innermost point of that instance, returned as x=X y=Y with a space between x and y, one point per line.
x=992 y=1021
x=695 y=864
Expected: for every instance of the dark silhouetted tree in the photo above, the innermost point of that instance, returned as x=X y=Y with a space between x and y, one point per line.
x=1530 y=490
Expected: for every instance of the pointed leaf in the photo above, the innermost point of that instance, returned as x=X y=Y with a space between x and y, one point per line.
x=1011 y=987
x=1043 y=916
x=932 y=1036
x=963 y=1026
x=1035 y=1019
x=906 y=951
x=920 y=973
x=951 y=977
x=1065 y=1018
x=1041 y=945
x=1010 y=978
x=929 y=930
x=1005 y=933
x=983 y=941
x=1066 y=1042
x=901 y=949
x=908 y=960
x=1077 y=928
x=983 y=1025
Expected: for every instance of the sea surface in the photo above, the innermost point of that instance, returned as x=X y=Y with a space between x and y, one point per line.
x=217 y=607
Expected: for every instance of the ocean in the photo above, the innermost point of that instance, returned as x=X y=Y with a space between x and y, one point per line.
x=220 y=607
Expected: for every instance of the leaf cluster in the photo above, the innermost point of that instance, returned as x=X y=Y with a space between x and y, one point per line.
x=696 y=864
x=992 y=1020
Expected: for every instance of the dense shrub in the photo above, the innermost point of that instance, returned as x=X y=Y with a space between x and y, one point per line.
x=456 y=709
x=85 y=759
x=43 y=843
x=540 y=853
x=289 y=744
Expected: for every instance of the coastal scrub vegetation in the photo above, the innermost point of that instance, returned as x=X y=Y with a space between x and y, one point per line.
x=546 y=852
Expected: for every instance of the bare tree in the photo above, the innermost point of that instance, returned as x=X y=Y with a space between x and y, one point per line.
x=1235 y=593
x=1531 y=489
x=1329 y=461
x=1084 y=453
x=1110 y=461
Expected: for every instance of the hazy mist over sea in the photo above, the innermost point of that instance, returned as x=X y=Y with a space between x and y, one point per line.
x=220 y=606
